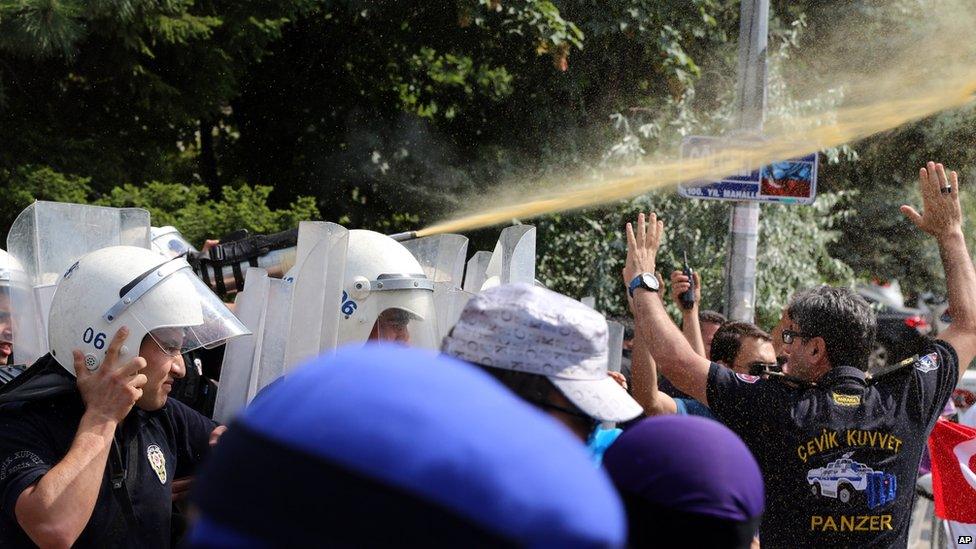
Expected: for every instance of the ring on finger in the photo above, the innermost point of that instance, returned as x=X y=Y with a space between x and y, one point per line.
x=946 y=190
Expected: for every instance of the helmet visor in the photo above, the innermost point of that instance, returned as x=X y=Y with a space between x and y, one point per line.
x=401 y=316
x=401 y=325
x=182 y=314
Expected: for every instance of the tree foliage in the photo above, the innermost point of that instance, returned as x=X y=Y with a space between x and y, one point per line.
x=218 y=115
x=187 y=207
x=583 y=254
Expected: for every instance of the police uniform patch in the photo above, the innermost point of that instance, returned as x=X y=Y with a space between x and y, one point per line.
x=23 y=459
x=841 y=399
x=747 y=378
x=158 y=462
x=927 y=363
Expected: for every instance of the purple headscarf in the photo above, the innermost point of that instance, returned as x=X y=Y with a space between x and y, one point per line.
x=689 y=465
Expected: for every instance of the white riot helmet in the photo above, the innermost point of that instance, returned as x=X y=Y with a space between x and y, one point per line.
x=142 y=290
x=384 y=286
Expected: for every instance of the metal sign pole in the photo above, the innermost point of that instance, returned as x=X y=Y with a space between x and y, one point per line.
x=740 y=279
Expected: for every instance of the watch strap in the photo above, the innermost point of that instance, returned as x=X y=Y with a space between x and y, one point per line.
x=638 y=282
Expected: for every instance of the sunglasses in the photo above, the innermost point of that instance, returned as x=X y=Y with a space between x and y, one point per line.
x=759 y=368
x=790 y=335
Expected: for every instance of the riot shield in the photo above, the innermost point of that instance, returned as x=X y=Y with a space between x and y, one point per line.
x=169 y=241
x=615 y=330
x=19 y=319
x=239 y=365
x=513 y=259
x=46 y=238
x=250 y=364
x=455 y=301
x=317 y=280
x=442 y=258
x=474 y=272
x=271 y=355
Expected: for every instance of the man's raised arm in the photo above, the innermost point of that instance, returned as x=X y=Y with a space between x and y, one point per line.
x=675 y=358
x=941 y=217
x=55 y=510
x=643 y=375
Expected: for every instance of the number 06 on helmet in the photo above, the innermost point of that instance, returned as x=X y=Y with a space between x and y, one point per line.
x=143 y=290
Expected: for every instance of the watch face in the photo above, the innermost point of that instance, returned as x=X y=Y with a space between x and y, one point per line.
x=650 y=281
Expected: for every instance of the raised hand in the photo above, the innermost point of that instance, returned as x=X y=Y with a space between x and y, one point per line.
x=643 y=242
x=941 y=213
x=110 y=391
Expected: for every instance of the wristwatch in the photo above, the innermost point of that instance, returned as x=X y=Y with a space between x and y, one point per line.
x=644 y=280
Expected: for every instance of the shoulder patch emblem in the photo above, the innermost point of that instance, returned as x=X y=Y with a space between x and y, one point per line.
x=927 y=363
x=841 y=399
x=747 y=378
x=157 y=461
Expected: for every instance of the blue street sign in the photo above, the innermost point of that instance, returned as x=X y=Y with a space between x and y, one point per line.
x=787 y=182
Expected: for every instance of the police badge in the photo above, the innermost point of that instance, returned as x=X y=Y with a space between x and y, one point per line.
x=927 y=363
x=158 y=462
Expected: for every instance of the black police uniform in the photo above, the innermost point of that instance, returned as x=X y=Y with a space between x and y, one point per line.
x=153 y=448
x=840 y=459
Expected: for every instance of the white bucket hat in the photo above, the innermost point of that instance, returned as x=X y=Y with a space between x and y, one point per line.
x=526 y=328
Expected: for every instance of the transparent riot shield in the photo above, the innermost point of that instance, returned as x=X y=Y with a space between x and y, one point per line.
x=46 y=238
x=170 y=242
x=271 y=355
x=317 y=280
x=442 y=258
x=616 y=334
x=20 y=321
x=456 y=300
x=513 y=259
x=250 y=364
x=474 y=272
x=239 y=365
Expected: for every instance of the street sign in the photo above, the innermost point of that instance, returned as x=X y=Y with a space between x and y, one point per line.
x=787 y=182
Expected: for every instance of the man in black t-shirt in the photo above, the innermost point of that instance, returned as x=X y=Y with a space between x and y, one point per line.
x=156 y=447
x=839 y=459
x=839 y=452
x=90 y=443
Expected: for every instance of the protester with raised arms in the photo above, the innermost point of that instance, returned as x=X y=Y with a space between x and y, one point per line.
x=839 y=452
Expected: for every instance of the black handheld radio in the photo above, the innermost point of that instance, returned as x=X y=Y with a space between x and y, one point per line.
x=688 y=297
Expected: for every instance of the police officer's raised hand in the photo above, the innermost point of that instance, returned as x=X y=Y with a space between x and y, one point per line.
x=643 y=242
x=110 y=391
x=941 y=213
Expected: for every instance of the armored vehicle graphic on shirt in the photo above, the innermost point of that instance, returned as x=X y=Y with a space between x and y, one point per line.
x=844 y=477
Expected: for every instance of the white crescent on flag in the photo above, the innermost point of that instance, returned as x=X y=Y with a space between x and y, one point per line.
x=964 y=452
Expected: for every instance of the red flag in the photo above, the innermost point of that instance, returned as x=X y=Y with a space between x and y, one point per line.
x=953 y=450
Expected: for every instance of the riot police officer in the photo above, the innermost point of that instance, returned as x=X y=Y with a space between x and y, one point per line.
x=385 y=294
x=90 y=443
